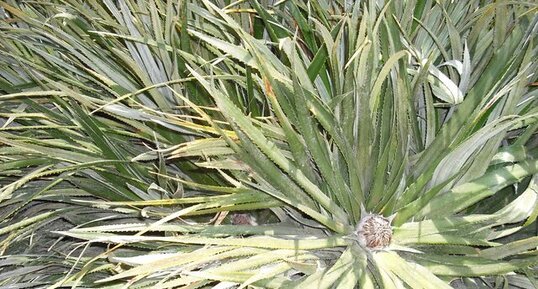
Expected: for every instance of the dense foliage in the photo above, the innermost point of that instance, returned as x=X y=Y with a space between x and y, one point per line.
x=238 y=144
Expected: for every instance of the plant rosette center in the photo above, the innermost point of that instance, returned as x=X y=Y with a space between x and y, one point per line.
x=374 y=232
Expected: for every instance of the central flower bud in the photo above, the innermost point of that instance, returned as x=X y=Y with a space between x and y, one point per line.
x=374 y=232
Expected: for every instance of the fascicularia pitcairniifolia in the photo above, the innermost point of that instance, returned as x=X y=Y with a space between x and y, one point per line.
x=244 y=219
x=374 y=231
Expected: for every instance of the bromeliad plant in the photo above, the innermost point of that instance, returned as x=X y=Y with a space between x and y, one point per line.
x=291 y=144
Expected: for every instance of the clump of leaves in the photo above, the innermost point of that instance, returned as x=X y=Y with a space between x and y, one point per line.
x=239 y=144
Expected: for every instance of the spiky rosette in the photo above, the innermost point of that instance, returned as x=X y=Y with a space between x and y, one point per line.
x=374 y=232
